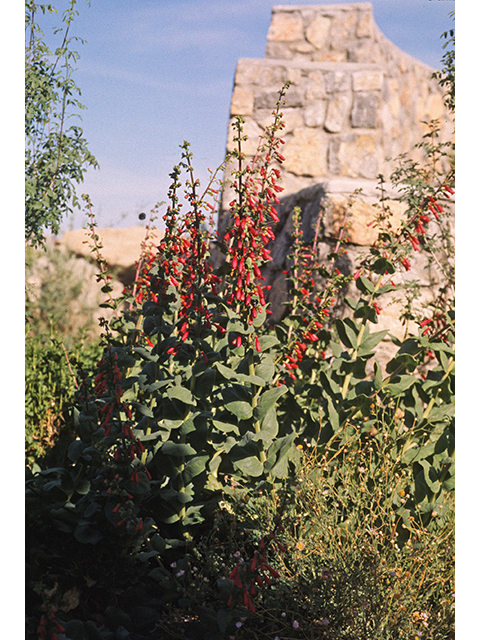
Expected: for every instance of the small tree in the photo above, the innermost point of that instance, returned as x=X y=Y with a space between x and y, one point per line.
x=56 y=155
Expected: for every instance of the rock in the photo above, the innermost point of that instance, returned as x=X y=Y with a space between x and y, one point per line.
x=121 y=248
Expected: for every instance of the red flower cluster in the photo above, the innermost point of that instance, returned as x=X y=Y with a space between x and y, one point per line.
x=258 y=571
x=437 y=323
x=182 y=264
x=108 y=383
x=312 y=308
x=247 y=238
x=48 y=623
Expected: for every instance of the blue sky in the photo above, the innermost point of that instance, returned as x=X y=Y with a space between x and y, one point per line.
x=154 y=73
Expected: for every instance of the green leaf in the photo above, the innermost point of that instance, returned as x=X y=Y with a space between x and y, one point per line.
x=204 y=383
x=260 y=319
x=226 y=427
x=366 y=311
x=364 y=285
x=382 y=266
x=346 y=334
x=371 y=341
x=195 y=466
x=226 y=372
x=241 y=409
x=265 y=369
x=238 y=400
x=402 y=362
x=182 y=394
x=250 y=466
x=267 y=342
x=253 y=380
x=87 y=533
x=177 y=449
x=333 y=415
x=267 y=400
x=399 y=384
x=378 y=376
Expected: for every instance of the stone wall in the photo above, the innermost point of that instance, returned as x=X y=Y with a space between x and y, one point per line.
x=355 y=103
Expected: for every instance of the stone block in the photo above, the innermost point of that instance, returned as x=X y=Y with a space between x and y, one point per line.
x=121 y=247
x=365 y=110
x=268 y=99
x=242 y=101
x=360 y=227
x=367 y=80
x=306 y=153
x=337 y=113
x=317 y=31
x=315 y=85
x=257 y=72
x=285 y=27
x=314 y=114
x=292 y=117
x=278 y=51
x=355 y=156
x=302 y=48
x=336 y=81
x=365 y=25
x=343 y=29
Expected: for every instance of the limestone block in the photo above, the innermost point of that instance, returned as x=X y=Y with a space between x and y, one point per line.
x=314 y=114
x=294 y=75
x=337 y=112
x=292 y=118
x=355 y=156
x=278 y=51
x=343 y=29
x=306 y=153
x=285 y=27
x=121 y=247
x=269 y=99
x=393 y=99
x=302 y=48
x=336 y=81
x=315 y=85
x=317 y=31
x=365 y=110
x=365 y=25
x=242 y=101
x=363 y=51
x=363 y=214
x=257 y=72
x=367 y=80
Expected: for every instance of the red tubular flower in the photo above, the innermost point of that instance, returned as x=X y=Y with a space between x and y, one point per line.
x=406 y=264
x=234 y=571
x=414 y=242
x=273 y=571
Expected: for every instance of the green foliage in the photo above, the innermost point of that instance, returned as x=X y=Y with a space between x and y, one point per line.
x=56 y=153
x=49 y=391
x=446 y=77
